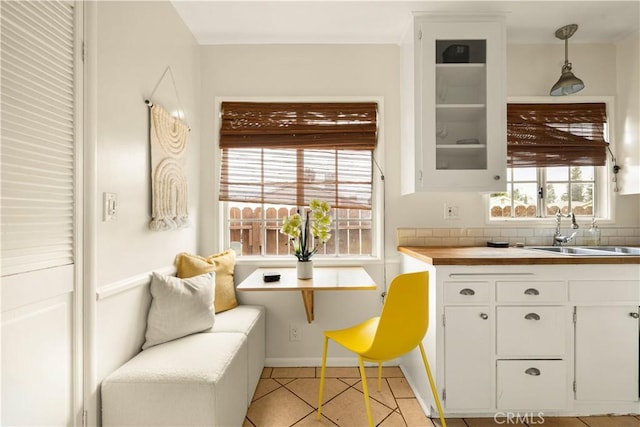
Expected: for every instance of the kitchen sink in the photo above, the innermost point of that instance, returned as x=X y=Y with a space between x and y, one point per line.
x=589 y=250
x=620 y=250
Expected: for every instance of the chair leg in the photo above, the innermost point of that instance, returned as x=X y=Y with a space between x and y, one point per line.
x=433 y=385
x=379 y=376
x=322 y=372
x=363 y=375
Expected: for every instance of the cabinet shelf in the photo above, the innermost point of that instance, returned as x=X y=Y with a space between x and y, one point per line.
x=461 y=146
x=462 y=74
x=460 y=112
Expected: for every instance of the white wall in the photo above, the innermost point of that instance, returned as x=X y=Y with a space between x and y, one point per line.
x=531 y=71
x=317 y=70
x=628 y=118
x=298 y=71
x=606 y=70
x=134 y=43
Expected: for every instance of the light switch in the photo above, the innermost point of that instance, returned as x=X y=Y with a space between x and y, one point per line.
x=110 y=207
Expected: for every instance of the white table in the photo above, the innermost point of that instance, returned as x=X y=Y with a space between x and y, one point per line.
x=324 y=279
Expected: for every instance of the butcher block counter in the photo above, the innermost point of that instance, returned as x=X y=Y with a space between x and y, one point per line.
x=504 y=256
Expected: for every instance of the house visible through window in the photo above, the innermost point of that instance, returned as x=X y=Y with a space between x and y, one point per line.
x=556 y=158
x=276 y=157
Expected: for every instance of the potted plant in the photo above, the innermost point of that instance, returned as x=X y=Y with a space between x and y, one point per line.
x=308 y=234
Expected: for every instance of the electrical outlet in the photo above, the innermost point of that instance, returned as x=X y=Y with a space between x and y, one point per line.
x=295 y=334
x=451 y=211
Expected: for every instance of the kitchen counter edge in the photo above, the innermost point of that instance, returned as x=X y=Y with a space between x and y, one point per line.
x=503 y=256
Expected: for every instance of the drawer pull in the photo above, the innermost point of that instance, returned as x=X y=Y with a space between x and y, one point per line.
x=532 y=291
x=533 y=371
x=484 y=316
x=467 y=291
x=532 y=316
x=634 y=315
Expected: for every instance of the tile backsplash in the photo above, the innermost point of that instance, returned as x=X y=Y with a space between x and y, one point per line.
x=610 y=236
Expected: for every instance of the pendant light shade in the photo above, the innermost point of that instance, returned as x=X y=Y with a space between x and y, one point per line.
x=568 y=82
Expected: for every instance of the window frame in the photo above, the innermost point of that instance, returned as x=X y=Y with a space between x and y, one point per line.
x=605 y=195
x=377 y=192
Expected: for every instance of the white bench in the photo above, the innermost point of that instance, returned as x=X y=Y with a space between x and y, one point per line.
x=206 y=378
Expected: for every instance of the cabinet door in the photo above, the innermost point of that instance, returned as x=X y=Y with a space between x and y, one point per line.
x=467 y=366
x=607 y=353
x=531 y=331
x=531 y=385
x=461 y=114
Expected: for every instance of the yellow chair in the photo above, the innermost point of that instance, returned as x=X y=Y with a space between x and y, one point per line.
x=399 y=329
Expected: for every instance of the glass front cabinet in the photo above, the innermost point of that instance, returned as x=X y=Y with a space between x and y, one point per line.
x=460 y=104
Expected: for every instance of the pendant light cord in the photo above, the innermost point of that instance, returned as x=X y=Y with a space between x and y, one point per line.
x=384 y=229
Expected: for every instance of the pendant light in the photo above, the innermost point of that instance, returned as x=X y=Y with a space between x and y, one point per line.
x=568 y=83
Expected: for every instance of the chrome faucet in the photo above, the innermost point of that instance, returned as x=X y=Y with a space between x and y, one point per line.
x=558 y=238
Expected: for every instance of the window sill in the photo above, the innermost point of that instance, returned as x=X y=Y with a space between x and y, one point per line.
x=544 y=221
x=290 y=261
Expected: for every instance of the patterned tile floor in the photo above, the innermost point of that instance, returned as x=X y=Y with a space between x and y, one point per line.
x=287 y=397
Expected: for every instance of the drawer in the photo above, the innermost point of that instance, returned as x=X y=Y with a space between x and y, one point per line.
x=531 y=385
x=604 y=291
x=531 y=331
x=466 y=292
x=531 y=292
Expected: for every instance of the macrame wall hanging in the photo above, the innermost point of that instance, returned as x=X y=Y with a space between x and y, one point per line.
x=168 y=141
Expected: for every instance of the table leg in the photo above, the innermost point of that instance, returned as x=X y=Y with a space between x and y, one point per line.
x=307 y=298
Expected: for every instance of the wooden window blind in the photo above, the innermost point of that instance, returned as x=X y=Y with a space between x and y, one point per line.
x=541 y=135
x=37 y=130
x=290 y=153
x=341 y=125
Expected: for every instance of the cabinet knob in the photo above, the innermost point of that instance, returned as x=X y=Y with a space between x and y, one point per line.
x=532 y=291
x=467 y=291
x=496 y=177
x=532 y=316
x=634 y=315
x=484 y=316
x=533 y=371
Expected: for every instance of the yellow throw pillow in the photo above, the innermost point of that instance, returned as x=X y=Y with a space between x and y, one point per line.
x=222 y=264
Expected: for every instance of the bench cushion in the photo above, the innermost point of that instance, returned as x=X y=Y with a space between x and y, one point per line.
x=192 y=381
x=251 y=321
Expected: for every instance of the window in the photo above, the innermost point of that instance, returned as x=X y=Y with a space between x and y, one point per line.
x=540 y=192
x=556 y=158
x=276 y=157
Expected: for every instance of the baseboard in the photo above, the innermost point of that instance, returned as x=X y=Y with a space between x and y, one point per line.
x=300 y=362
x=426 y=408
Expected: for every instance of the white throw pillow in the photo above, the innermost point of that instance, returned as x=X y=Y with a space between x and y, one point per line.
x=179 y=307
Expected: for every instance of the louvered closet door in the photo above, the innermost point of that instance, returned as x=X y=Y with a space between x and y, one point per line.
x=38 y=131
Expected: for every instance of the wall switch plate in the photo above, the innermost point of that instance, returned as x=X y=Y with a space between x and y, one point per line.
x=109 y=206
x=451 y=211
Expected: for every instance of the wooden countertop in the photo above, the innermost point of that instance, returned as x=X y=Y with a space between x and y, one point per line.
x=504 y=256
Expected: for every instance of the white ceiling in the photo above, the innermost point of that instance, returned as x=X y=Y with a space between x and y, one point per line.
x=361 y=21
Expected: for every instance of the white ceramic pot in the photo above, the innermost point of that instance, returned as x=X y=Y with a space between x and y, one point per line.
x=305 y=269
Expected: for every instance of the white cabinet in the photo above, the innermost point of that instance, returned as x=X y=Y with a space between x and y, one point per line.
x=607 y=340
x=531 y=338
x=460 y=103
x=531 y=385
x=468 y=329
x=530 y=331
